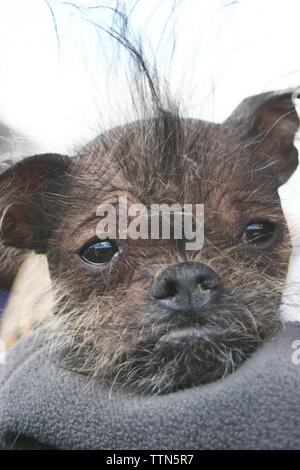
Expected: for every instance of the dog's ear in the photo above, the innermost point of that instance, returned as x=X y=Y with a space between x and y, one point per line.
x=269 y=122
x=29 y=194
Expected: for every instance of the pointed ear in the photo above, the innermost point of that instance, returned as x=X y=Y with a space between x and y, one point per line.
x=270 y=121
x=29 y=200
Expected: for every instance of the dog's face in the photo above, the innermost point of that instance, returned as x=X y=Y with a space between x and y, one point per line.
x=149 y=314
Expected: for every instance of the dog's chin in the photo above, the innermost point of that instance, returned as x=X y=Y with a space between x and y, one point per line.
x=205 y=347
x=192 y=356
x=177 y=350
x=175 y=353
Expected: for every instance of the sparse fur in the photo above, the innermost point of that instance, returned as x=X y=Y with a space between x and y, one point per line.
x=105 y=323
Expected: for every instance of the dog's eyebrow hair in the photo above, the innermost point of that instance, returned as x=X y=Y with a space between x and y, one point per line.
x=94 y=216
x=84 y=222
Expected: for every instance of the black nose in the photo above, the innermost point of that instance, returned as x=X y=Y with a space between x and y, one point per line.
x=186 y=287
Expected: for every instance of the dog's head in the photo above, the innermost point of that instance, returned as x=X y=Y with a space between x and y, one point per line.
x=147 y=312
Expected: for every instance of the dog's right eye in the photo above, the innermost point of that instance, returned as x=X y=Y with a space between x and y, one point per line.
x=98 y=252
x=259 y=232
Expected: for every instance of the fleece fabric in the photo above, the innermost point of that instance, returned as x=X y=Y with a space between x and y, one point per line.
x=44 y=406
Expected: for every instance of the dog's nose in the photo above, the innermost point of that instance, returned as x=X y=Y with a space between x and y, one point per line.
x=186 y=287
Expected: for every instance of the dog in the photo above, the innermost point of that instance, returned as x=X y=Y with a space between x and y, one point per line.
x=148 y=315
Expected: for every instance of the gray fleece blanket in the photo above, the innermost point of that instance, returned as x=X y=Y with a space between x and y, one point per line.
x=258 y=407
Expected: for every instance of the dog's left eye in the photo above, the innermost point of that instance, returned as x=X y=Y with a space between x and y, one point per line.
x=98 y=251
x=259 y=232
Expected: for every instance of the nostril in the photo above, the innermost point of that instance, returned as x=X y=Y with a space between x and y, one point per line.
x=207 y=284
x=171 y=289
x=203 y=284
x=164 y=289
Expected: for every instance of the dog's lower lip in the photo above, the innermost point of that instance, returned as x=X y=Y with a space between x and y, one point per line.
x=182 y=336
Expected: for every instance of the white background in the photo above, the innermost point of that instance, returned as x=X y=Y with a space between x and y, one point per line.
x=61 y=89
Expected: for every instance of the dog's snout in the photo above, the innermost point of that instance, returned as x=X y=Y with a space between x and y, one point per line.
x=186 y=287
